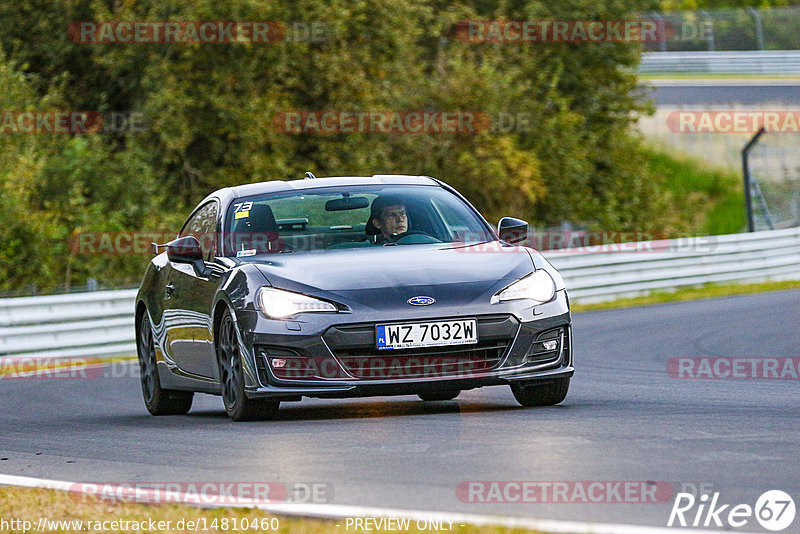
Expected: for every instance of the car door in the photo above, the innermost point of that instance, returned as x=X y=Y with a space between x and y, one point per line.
x=188 y=300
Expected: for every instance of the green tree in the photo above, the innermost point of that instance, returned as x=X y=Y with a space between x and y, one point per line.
x=209 y=111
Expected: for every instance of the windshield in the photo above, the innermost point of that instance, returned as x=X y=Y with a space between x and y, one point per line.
x=349 y=217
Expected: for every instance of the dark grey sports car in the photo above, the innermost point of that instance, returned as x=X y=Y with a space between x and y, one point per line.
x=346 y=287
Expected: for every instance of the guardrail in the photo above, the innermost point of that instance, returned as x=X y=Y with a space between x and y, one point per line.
x=722 y=62
x=750 y=257
x=101 y=323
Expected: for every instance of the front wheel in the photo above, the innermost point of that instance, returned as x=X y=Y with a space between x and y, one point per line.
x=231 y=375
x=535 y=394
x=158 y=401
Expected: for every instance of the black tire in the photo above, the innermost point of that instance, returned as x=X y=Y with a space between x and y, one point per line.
x=439 y=396
x=158 y=401
x=231 y=376
x=547 y=394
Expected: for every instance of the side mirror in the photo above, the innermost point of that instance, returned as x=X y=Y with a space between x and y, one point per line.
x=186 y=250
x=512 y=230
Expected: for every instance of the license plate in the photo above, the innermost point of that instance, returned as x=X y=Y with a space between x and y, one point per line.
x=416 y=335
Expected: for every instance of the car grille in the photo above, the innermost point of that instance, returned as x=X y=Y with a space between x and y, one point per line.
x=354 y=347
x=423 y=363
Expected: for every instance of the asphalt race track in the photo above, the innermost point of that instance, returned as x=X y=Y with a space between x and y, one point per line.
x=669 y=93
x=625 y=419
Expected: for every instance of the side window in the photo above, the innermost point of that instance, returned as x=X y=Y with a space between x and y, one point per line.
x=451 y=219
x=459 y=227
x=203 y=226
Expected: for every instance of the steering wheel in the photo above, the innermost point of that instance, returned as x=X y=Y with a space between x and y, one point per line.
x=409 y=238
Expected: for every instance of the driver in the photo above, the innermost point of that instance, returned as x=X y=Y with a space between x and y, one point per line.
x=388 y=215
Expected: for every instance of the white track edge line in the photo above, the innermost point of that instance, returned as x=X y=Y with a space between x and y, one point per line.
x=341 y=511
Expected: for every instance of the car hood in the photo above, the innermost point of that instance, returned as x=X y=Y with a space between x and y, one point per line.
x=403 y=270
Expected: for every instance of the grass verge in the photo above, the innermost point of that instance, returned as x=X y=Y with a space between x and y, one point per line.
x=710 y=199
x=27 y=504
x=708 y=291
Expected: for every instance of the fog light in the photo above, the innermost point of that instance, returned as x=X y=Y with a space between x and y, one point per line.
x=550 y=344
x=278 y=363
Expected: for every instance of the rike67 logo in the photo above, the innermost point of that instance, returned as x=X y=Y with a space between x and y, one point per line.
x=774 y=510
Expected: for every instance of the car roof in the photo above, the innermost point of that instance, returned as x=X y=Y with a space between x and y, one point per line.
x=277 y=186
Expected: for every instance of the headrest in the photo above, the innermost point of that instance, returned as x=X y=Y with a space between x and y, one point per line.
x=261 y=220
x=371 y=229
x=256 y=230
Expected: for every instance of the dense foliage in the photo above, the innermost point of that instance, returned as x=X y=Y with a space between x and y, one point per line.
x=675 y=5
x=209 y=108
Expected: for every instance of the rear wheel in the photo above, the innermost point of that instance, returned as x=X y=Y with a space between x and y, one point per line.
x=231 y=375
x=158 y=401
x=536 y=394
x=439 y=395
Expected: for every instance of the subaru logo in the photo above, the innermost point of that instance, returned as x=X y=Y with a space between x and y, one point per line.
x=421 y=301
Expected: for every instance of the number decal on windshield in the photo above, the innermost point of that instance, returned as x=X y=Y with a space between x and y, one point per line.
x=242 y=206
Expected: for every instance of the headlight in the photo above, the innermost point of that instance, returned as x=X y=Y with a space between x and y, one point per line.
x=538 y=286
x=279 y=304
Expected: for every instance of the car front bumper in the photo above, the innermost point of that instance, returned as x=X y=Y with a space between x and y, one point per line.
x=337 y=358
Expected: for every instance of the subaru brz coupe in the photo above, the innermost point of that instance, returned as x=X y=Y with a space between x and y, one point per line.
x=348 y=287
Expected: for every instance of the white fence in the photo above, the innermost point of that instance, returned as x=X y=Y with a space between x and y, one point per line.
x=101 y=323
x=722 y=62
x=665 y=265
